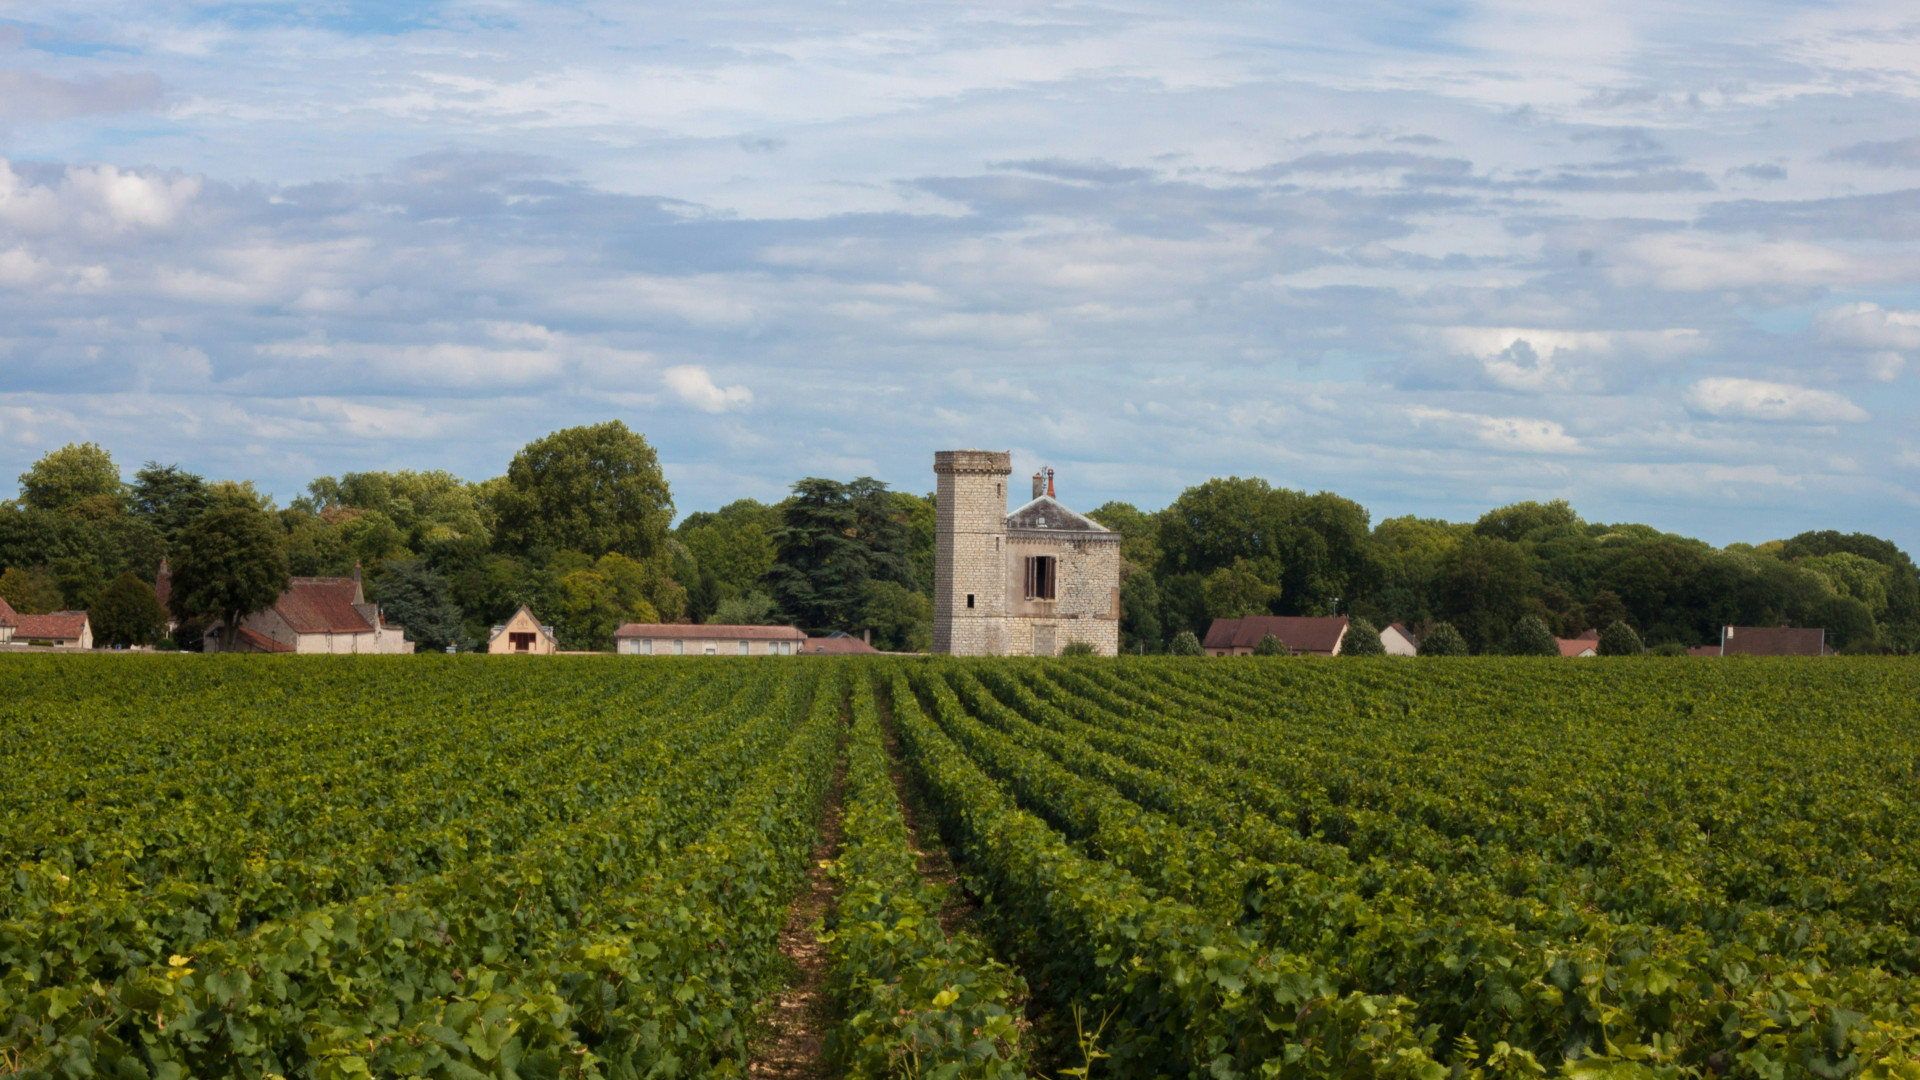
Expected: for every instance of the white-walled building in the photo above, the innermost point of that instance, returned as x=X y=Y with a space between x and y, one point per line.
x=702 y=639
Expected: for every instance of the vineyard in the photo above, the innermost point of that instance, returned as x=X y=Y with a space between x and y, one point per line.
x=1275 y=868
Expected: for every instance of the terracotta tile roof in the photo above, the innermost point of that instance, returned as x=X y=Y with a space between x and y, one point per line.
x=1303 y=634
x=255 y=641
x=6 y=611
x=840 y=645
x=1774 y=641
x=59 y=626
x=708 y=632
x=1576 y=646
x=322 y=606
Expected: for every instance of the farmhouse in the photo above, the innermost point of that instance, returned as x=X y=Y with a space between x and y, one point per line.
x=522 y=635
x=62 y=629
x=1774 y=641
x=1399 y=641
x=1587 y=644
x=695 y=639
x=1303 y=635
x=1026 y=583
x=316 y=616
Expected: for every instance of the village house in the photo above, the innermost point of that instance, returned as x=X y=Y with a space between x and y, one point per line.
x=313 y=616
x=1303 y=635
x=1772 y=641
x=62 y=629
x=1587 y=644
x=522 y=635
x=701 y=639
x=1399 y=641
x=1026 y=583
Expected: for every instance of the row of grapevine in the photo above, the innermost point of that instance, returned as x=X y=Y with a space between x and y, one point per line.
x=914 y=1000
x=1535 y=973
x=603 y=945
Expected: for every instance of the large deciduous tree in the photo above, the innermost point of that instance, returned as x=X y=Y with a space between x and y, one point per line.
x=418 y=599
x=76 y=476
x=228 y=564
x=588 y=489
x=126 y=613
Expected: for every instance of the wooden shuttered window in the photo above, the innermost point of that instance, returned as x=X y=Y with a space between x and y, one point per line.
x=1041 y=576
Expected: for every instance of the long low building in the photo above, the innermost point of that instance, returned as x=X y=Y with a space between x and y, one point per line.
x=707 y=639
x=1304 y=635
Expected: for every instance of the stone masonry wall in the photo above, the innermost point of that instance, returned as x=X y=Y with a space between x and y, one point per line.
x=969 y=551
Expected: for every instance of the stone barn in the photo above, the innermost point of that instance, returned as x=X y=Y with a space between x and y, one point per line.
x=1026 y=583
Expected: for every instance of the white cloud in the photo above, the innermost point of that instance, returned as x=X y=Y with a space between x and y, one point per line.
x=1501 y=433
x=1752 y=399
x=698 y=389
x=1869 y=326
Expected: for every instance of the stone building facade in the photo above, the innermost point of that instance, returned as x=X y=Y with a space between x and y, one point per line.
x=1026 y=583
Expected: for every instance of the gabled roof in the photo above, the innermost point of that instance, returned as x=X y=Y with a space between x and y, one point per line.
x=59 y=626
x=1047 y=513
x=1302 y=633
x=709 y=632
x=1774 y=641
x=1580 y=646
x=256 y=641
x=547 y=631
x=322 y=606
x=837 y=644
x=6 y=612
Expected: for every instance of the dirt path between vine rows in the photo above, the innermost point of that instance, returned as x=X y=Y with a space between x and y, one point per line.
x=936 y=863
x=795 y=1033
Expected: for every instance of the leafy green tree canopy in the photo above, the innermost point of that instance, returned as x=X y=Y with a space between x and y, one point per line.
x=1619 y=639
x=1443 y=640
x=419 y=600
x=588 y=489
x=126 y=613
x=168 y=497
x=1185 y=643
x=1514 y=522
x=228 y=564
x=1532 y=638
x=29 y=593
x=65 y=478
x=1269 y=645
x=833 y=539
x=1363 y=639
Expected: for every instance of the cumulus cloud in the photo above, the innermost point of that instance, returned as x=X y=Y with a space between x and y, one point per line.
x=696 y=387
x=1753 y=399
x=1502 y=433
x=1419 y=273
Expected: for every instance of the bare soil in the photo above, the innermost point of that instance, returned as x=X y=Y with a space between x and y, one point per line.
x=794 y=1032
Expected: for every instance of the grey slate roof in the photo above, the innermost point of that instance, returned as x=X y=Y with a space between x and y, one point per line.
x=1047 y=513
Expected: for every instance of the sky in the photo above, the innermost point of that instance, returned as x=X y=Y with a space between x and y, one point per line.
x=1662 y=260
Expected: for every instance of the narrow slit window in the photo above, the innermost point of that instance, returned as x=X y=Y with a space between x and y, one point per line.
x=1040 y=577
x=969 y=600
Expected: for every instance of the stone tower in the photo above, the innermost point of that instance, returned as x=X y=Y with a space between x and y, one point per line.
x=970 y=535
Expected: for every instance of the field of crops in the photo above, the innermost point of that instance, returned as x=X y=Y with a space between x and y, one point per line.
x=457 y=867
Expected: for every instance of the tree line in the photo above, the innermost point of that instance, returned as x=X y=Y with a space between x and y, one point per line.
x=581 y=529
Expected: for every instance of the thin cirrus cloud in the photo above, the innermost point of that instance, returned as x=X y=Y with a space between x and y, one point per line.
x=1437 y=266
